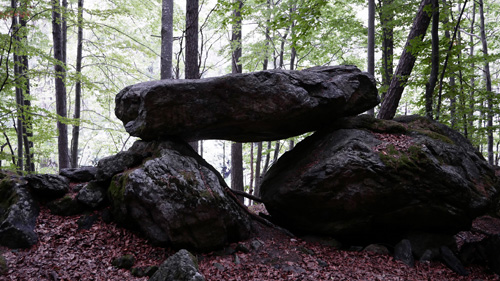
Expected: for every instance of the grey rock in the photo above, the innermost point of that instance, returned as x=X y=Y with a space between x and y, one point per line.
x=427 y=256
x=426 y=241
x=48 y=187
x=18 y=213
x=403 y=252
x=377 y=249
x=266 y=105
x=125 y=261
x=4 y=267
x=452 y=261
x=65 y=206
x=176 y=198
x=82 y=174
x=365 y=178
x=92 y=195
x=182 y=266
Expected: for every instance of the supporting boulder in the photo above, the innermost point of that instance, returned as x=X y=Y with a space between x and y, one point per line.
x=266 y=105
x=176 y=198
x=374 y=179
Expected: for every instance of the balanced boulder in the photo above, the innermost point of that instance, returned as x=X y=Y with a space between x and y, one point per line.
x=366 y=177
x=266 y=105
x=177 y=199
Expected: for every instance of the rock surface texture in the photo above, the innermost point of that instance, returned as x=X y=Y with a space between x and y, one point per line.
x=266 y=105
x=182 y=266
x=175 y=198
x=18 y=213
x=365 y=177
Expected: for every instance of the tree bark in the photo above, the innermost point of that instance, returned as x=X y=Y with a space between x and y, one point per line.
x=472 y=79
x=371 y=43
x=258 y=161
x=78 y=88
x=406 y=63
x=431 y=84
x=386 y=19
x=167 y=38
x=60 y=88
x=450 y=47
x=487 y=79
x=237 y=148
x=192 y=68
x=18 y=89
x=27 y=120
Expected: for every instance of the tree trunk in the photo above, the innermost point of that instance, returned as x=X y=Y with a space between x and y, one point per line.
x=192 y=68
x=251 y=170
x=258 y=161
x=268 y=158
x=18 y=90
x=26 y=118
x=431 y=85
x=472 y=79
x=487 y=78
x=386 y=19
x=167 y=38
x=371 y=43
x=237 y=148
x=450 y=47
x=277 y=148
x=406 y=63
x=78 y=88
x=60 y=72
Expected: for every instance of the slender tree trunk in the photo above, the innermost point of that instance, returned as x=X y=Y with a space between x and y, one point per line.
x=78 y=88
x=192 y=66
x=472 y=79
x=487 y=78
x=64 y=31
x=237 y=148
x=268 y=158
x=450 y=47
x=386 y=19
x=251 y=169
x=431 y=85
x=167 y=38
x=258 y=161
x=26 y=118
x=265 y=64
x=371 y=43
x=60 y=87
x=18 y=90
x=406 y=63
x=277 y=148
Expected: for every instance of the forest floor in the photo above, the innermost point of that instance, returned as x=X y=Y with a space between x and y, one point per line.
x=65 y=252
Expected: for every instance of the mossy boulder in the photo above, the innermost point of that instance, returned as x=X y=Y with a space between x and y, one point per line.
x=370 y=178
x=182 y=266
x=18 y=213
x=176 y=198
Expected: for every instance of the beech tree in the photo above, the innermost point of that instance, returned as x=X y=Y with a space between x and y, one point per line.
x=60 y=76
x=435 y=60
x=487 y=79
x=167 y=38
x=406 y=62
x=236 y=67
x=78 y=88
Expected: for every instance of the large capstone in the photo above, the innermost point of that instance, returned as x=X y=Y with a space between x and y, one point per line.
x=373 y=178
x=266 y=105
x=176 y=198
